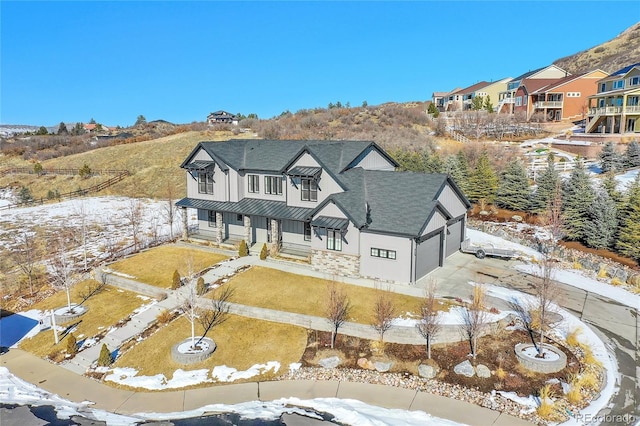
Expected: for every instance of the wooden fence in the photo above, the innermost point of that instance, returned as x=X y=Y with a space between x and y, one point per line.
x=118 y=176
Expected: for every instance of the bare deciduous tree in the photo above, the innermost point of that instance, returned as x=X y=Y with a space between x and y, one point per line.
x=384 y=311
x=81 y=211
x=337 y=308
x=133 y=215
x=474 y=318
x=429 y=324
x=169 y=210
x=546 y=293
x=62 y=270
x=94 y=287
x=190 y=303
x=218 y=312
x=26 y=256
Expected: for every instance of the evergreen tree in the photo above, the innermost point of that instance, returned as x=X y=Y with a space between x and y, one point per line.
x=477 y=103
x=140 y=120
x=609 y=158
x=628 y=242
x=488 y=105
x=78 y=129
x=483 y=181
x=461 y=175
x=243 y=250
x=513 y=191
x=433 y=163
x=62 y=129
x=433 y=110
x=546 y=186
x=632 y=155
x=72 y=344
x=201 y=287
x=577 y=197
x=610 y=185
x=42 y=131
x=602 y=224
x=264 y=252
x=105 y=359
x=176 y=281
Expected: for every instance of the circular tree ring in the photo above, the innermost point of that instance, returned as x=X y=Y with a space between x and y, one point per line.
x=184 y=354
x=64 y=315
x=555 y=359
x=480 y=254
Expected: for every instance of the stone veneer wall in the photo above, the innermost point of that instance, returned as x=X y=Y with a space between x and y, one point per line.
x=336 y=262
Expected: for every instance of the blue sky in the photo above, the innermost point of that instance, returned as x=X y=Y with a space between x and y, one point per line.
x=178 y=61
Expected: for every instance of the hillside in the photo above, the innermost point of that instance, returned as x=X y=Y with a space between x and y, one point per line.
x=608 y=56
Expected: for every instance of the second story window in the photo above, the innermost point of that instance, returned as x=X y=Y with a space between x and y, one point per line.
x=254 y=183
x=205 y=183
x=634 y=81
x=603 y=87
x=618 y=84
x=309 y=190
x=273 y=185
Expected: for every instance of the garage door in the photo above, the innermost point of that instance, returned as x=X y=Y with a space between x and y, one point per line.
x=428 y=255
x=454 y=236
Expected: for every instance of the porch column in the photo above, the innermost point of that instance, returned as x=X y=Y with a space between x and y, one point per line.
x=219 y=227
x=185 y=224
x=275 y=235
x=247 y=229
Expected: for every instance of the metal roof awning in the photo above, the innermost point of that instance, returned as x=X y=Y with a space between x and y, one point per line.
x=251 y=207
x=330 y=222
x=308 y=172
x=200 y=165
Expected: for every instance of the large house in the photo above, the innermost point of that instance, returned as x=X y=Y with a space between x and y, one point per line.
x=219 y=117
x=340 y=204
x=615 y=108
x=508 y=100
x=557 y=99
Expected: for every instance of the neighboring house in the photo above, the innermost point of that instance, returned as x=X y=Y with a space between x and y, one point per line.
x=222 y=117
x=566 y=99
x=340 y=204
x=507 y=98
x=468 y=93
x=615 y=108
x=492 y=90
x=453 y=100
x=522 y=104
x=441 y=99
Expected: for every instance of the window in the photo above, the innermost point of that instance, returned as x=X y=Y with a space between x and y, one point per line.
x=573 y=94
x=386 y=254
x=603 y=87
x=634 y=81
x=254 y=183
x=518 y=100
x=618 y=84
x=239 y=218
x=334 y=240
x=205 y=183
x=307 y=231
x=309 y=190
x=211 y=216
x=525 y=99
x=273 y=185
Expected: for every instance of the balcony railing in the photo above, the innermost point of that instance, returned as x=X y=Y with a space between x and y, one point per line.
x=548 y=104
x=632 y=109
x=610 y=110
x=508 y=100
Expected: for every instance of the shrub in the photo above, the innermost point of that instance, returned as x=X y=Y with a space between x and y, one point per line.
x=590 y=360
x=85 y=171
x=177 y=281
x=572 y=338
x=201 y=287
x=164 y=317
x=616 y=281
x=105 y=359
x=602 y=273
x=589 y=380
x=500 y=373
x=263 y=252
x=72 y=344
x=243 y=250
x=546 y=409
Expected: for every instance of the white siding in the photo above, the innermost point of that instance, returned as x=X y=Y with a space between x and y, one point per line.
x=452 y=202
x=373 y=160
x=293 y=233
x=331 y=210
x=233 y=179
x=326 y=185
x=437 y=221
x=232 y=226
x=350 y=239
x=244 y=188
x=219 y=185
x=386 y=269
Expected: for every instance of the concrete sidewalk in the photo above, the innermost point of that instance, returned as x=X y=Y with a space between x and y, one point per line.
x=80 y=389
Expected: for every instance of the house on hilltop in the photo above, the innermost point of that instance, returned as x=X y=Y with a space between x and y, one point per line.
x=615 y=108
x=339 y=204
x=219 y=117
x=508 y=100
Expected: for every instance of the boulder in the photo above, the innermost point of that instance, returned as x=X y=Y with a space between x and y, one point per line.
x=483 y=371
x=331 y=362
x=366 y=364
x=465 y=369
x=383 y=367
x=427 y=371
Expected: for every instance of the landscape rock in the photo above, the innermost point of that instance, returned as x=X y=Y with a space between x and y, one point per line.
x=366 y=364
x=465 y=369
x=483 y=371
x=383 y=367
x=427 y=371
x=331 y=362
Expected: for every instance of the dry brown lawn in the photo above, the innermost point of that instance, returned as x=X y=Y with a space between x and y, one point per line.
x=156 y=266
x=275 y=289
x=241 y=343
x=104 y=310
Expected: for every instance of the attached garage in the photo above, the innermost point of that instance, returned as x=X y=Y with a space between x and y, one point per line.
x=455 y=235
x=429 y=254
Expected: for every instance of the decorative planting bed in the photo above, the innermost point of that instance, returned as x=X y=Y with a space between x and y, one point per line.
x=554 y=359
x=64 y=315
x=183 y=353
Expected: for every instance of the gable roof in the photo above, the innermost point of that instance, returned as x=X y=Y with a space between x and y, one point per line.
x=625 y=70
x=475 y=87
x=534 y=84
